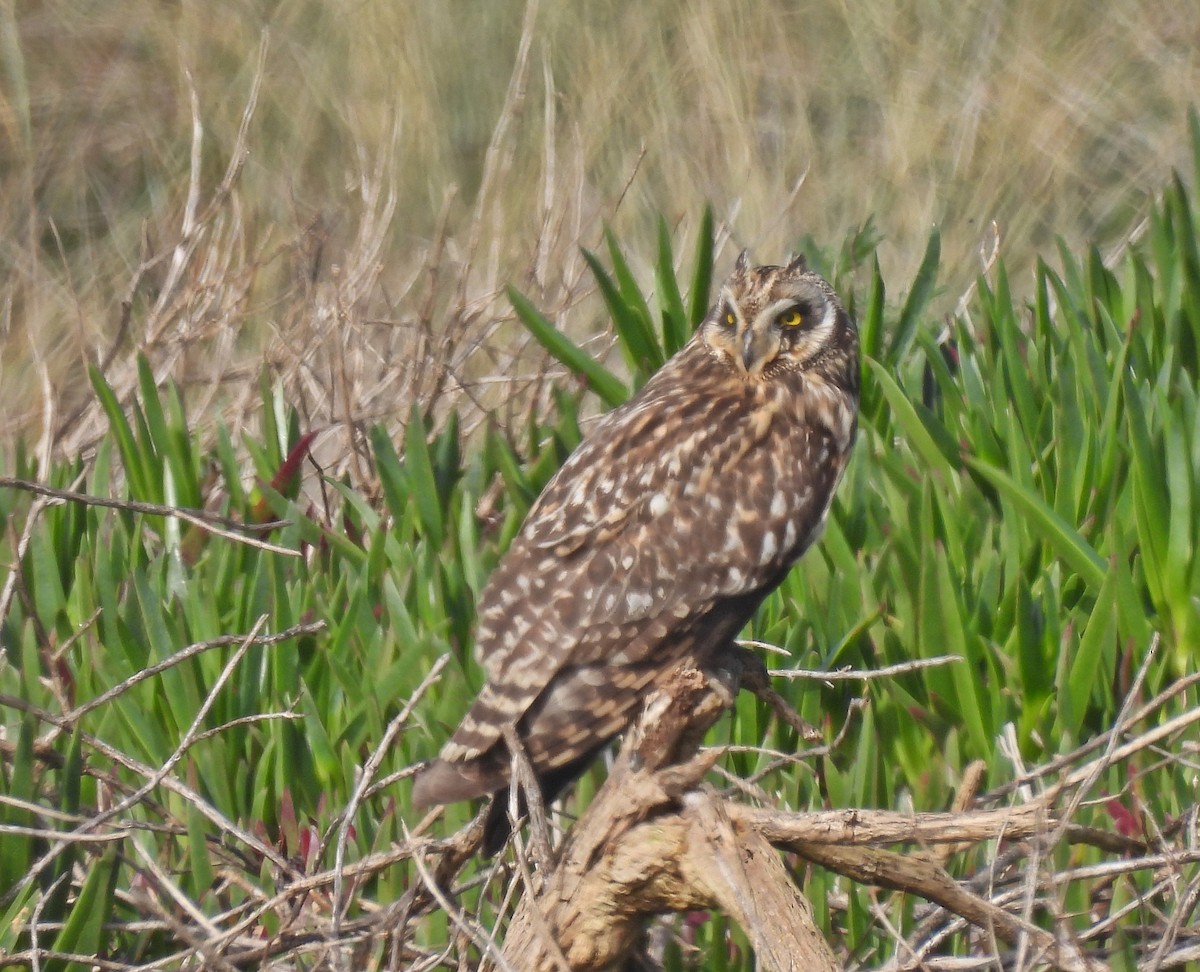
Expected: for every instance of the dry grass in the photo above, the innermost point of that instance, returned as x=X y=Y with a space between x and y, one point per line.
x=404 y=161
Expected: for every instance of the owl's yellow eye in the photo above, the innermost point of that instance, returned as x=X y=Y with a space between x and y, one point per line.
x=791 y=318
x=730 y=318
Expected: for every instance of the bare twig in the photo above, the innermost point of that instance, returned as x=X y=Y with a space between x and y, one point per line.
x=214 y=523
x=849 y=674
x=191 y=651
x=364 y=781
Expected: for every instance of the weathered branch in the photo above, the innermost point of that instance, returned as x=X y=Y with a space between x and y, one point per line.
x=656 y=839
x=750 y=884
x=653 y=841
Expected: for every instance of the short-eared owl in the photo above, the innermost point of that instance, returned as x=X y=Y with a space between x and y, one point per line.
x=663 y=532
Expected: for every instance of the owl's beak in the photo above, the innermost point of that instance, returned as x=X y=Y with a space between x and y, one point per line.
x=759 y=347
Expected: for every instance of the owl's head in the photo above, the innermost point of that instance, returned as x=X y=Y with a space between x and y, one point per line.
x=769 y=320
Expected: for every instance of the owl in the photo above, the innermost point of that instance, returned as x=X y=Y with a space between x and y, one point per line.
x=662 y=532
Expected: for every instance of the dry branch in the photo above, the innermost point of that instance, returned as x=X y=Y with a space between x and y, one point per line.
x=656 y=839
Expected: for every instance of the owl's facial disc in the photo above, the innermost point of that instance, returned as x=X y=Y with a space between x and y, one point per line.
x=771 y=319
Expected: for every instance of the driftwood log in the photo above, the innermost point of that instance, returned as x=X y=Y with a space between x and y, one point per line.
x=656 y=839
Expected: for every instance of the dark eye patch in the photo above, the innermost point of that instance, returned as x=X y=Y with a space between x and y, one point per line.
x=798 y=314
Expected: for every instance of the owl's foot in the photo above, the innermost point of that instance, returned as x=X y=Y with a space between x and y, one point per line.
x=752 y=675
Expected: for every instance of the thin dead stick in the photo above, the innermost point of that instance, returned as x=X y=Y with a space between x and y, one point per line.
x=537 y=916
x=1096 y=742
x=186 y=244
x=154 y=777
x=848 y=674
x=37 y=809
x=38 y=832
x=485 y=943
x=172 y=890
x=237 y=158
x=194 y=222
x=183 y=655
x=1104 y=928
x=900 y=943
x=315 y=882
x=1112 y=868
x=1144 y=741
x=364 y=781
x=31 y=959
x=1109 y=757
x=524 y=783
x=1181 y=957
x=392 y=778
x=762 y=646
x=914 y=873
x=35 y=920
x=188 y=737
x=221 y=526
x=46 y=444
x=290 y=716
x=1183 y=911
x=198 y=947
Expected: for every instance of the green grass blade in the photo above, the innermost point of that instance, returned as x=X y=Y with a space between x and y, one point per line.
x=971 y=706
x=16 y=852
x=502 y=458
x=631 y=293
x=918 y=297
x=1062 y=537
x=1086 y=670
x=419 y=467
x=446 y=455
x=152 y=410
x=15 y=921
x=928 y=440
x=1193 y=125
x=676 y=327
x=120 y=428
x=609 y=387
x=700 y=291
x=180 y=451
x=1150 y=502
x=200 y=874
x=274 y=441
x=635 y=334
x=83 y=932
x=392 y=478
x=870 y=324
x=71 y=783
x=49 y=596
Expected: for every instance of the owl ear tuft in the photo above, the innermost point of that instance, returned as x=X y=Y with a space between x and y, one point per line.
x=743 y=262
x=798 y=265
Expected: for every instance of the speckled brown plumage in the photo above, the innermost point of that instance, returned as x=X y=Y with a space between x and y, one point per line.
x=663 y=531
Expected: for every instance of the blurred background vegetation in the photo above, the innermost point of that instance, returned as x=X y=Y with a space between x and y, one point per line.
x=367 y=157
x=231 y=232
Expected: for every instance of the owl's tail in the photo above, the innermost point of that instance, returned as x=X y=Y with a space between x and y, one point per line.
x=448 y=782
x=443 y=781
